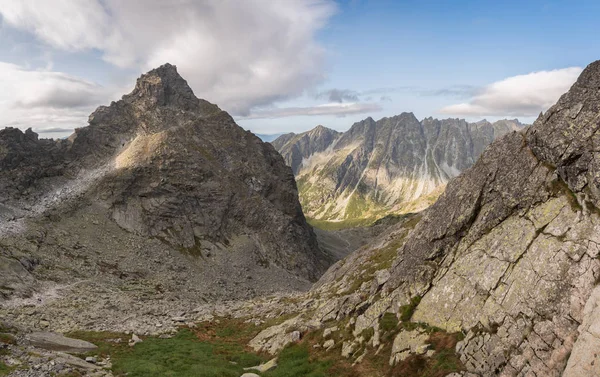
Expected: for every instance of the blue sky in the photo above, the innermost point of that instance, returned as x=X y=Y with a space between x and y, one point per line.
x=281 y=66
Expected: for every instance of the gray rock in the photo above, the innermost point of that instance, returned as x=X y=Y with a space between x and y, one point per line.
x=328 y=331
x=57 y=342
x=406 y=343
x=328 y=344
x=348 y=348
x=135 y=340
x=271 y=364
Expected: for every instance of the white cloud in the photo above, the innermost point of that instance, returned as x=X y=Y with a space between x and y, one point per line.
x=238 y=54
x=337 y=109
x=519 y=96
x=46 y=99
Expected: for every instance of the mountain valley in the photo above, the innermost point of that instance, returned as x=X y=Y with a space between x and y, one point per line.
x=174 y=241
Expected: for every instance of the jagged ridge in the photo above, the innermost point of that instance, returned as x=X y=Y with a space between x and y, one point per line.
x=396 y=164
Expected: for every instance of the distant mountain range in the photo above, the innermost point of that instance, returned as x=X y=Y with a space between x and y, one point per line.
x=395 y=164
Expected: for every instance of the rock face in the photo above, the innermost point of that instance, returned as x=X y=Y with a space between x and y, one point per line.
x=394 y=164
x=198 y=201
x=508 y=256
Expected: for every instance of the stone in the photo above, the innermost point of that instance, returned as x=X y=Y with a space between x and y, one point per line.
x=275 y=338
x=91 y=359
x=328 y=344
x=348 y=348
x=271 y=364
x=382 y=276
x=295 y=336
x=75 y=362
x=328 y=331
x=249 y=375
x=422 y=349
x=57 y=342
x=407 y=342
x=135 y=340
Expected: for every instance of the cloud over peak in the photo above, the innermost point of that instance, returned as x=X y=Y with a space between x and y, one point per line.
x=520 y=96
x=239 y=54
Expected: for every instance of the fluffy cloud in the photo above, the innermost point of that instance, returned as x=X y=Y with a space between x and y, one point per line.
x=519 y=96
x=238 y=54
x=44 y=99
x=337 y=109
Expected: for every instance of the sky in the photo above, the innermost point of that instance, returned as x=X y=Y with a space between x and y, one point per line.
x=288 y=65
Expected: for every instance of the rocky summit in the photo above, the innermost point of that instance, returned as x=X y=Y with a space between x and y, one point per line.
x=395 y=164
x=161 y=193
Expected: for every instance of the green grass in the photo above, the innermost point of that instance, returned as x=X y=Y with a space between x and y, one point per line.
x=357 y=205
x=388 y=322
x=218 y=349
x=443 y=362
x=4 y=369
x=295 y=361
x=407 y=311
x=184 y=355
x=215 y=349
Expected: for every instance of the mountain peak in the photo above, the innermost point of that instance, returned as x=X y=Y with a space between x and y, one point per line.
x=163 y=86
x=322 y=129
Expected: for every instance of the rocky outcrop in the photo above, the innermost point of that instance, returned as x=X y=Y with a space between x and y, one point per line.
x=396 y=164
x=159 y=177
x=56 y=342
x=507 y=257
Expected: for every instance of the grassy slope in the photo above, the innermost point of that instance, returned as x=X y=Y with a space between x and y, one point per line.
x=218 y=350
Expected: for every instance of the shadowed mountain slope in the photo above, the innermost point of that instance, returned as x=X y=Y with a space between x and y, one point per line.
x=162 y=187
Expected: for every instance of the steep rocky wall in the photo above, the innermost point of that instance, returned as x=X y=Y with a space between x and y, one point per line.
x=508 y=256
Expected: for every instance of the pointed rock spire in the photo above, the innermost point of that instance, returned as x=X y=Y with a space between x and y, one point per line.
x=163 y=86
